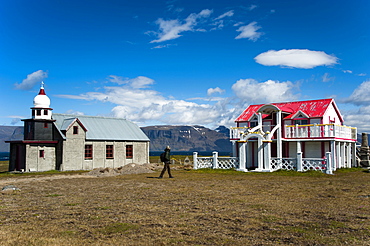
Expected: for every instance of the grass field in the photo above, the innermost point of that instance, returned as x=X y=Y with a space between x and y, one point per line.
x=202 y=207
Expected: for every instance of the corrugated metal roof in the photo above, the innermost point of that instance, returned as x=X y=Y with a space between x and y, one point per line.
x=312 y=108
x=102 y=128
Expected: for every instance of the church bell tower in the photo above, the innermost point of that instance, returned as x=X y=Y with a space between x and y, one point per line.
x=40 y=126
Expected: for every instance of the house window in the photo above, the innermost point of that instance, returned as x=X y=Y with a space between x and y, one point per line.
x=41 y=153
x=75 y=130
x=46 y=125
x=300 y=122
x=88 y=151
x=45 y=112
x=129 y=151
x=253 y=124
x=38 y=112
x=109 y=151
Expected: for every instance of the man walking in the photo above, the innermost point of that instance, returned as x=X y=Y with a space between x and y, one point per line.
x=166 y=158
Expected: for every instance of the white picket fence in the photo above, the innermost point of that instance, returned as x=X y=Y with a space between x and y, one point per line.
x=295 y=164
x=214 y=162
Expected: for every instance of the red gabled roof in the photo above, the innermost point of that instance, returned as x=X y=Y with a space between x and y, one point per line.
x=312 y=108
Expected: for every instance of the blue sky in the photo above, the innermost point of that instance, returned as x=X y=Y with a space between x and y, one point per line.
x=183 y=62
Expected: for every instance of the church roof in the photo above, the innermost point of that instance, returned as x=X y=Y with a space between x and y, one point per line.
x=311 y=108
x=102 y=128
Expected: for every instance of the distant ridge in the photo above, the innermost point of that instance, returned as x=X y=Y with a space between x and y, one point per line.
x=9 y=133
x=188 y=138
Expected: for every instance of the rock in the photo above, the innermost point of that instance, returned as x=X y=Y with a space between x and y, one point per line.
x=9 y=189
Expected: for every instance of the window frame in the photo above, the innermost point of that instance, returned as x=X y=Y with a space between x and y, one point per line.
x=88 y=151
x=109 y=151
x=129 y=151
x=41 y=153
x=75 y=130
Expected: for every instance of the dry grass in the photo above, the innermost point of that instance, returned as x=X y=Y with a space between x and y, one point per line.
x=201 y=207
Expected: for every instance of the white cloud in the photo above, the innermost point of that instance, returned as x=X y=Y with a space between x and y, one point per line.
x=171 y=29
x=211 y=91
x=359 y=118
x=360 y=96
x=138 y=82
x=253 y=6
x=227 y=14
x=136 y=102
x=249 y=31
x=296 y=58
x=347 y=71
x=252 y=91
x=31 y=80
x=326 y=78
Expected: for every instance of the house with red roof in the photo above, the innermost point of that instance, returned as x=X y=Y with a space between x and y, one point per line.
x=299 y=135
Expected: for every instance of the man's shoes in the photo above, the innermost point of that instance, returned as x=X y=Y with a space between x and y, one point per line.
x=160 y=177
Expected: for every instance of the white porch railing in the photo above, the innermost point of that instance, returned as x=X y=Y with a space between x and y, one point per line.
x=319 y=131
x=306 y=131
x=214 y=162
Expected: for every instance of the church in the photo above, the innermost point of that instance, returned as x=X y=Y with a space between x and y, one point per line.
x=70 y=142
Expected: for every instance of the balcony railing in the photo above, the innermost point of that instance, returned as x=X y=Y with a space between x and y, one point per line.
x=320 y=131
x=306 y=131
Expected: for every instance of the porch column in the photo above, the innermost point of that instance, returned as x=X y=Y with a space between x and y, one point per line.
x=260 y=154
x=279 y=149
x=333 y=154
x=337 y=153
x=342 y=154
x=243 y=157
x=348 y=155
x=267 y=155
x=353 y=152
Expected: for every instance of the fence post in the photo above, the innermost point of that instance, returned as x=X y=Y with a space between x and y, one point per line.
x=299 y=162
x=195 y=160
x=215 y=156
x=328 y=163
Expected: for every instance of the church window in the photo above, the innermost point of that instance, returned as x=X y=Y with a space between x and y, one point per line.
x=45 y=112
x=109 y=151
x=38 y=112
x=46 y=125
x=41 y=153
x=75 y=130
x=129 y=151
x=88 y=151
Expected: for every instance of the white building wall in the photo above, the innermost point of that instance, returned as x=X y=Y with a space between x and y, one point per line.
x=313 y=150
x=74 y=149
x=36 y=163
x=330 y=116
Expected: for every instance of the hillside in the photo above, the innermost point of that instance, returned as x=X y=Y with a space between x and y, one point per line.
x=6 y=133
x=188 y=138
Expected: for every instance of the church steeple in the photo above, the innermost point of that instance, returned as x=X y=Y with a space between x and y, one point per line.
x=41 y=105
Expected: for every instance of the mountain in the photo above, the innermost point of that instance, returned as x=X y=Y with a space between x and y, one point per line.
x=188 y=138
x=9 y=133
